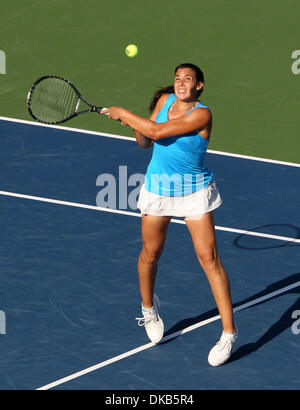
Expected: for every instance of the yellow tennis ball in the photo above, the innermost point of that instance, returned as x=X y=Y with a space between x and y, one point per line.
x=131 y=50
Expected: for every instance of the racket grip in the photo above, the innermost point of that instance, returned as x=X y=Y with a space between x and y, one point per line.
x=96 y=109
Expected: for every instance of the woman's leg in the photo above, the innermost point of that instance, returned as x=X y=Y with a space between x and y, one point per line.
x=202 y=231
x=154 y=231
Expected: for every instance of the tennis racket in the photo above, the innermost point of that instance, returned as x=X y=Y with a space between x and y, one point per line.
x=54 y=100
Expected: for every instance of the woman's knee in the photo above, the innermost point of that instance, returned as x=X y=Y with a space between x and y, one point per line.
x=208 y=259
x=151 y=254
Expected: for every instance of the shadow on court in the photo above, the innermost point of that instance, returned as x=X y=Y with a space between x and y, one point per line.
x=283 y=323
x=244 y=241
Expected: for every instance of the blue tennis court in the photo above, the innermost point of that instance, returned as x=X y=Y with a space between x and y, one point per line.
x=69 y=286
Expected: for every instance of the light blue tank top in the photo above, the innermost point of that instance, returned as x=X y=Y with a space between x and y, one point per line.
x=176 y=167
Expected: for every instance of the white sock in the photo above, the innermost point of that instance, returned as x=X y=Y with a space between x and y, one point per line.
x=147 y=309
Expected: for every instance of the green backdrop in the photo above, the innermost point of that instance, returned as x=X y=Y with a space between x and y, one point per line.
x=243 y=47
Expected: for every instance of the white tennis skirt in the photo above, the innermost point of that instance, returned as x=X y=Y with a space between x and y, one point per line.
x=197 y=203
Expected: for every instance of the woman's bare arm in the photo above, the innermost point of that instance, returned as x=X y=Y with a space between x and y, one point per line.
x=197 y=120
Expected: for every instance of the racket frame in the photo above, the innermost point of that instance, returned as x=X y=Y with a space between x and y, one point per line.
x=92 y=108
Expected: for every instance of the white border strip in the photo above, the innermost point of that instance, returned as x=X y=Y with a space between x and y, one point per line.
x=102 y=134
x=136 y=214
x=60 y=127
x=271 y=161
x=171 y=336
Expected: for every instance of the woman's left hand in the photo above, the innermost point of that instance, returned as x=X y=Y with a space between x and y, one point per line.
x=112 y=112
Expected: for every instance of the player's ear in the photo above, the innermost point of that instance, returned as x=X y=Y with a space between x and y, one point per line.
x=199 y=86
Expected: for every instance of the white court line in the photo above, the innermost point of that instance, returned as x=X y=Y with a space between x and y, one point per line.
x=136 y=214
x=102 y=134
x=59 y=127
x=171 y=336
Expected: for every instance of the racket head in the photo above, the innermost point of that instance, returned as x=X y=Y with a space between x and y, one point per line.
x=53 y=100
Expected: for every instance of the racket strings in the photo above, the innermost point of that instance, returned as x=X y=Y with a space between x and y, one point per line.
x=53 y=100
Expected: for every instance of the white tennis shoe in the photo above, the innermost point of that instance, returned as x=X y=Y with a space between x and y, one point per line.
x=154 y=326
x=221 y=352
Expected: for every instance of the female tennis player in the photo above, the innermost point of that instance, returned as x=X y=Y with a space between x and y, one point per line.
x=178 y=184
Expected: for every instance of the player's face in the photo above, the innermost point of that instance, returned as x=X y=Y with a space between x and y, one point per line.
x=186 y=85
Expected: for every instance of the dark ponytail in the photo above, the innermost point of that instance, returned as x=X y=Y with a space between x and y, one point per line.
x=163 y=90
x=170 y=89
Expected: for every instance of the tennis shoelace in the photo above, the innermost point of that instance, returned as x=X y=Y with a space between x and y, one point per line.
x=226 y=342
x=148 y=318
